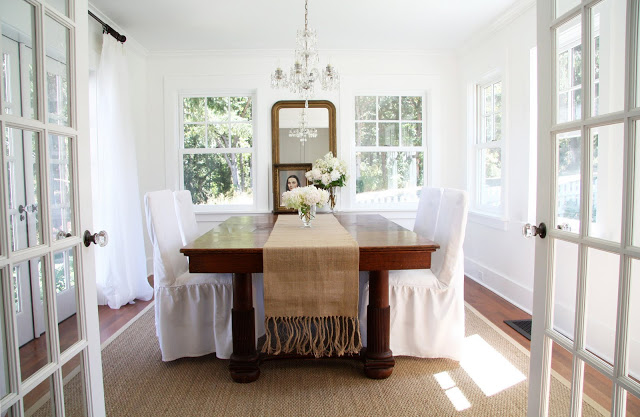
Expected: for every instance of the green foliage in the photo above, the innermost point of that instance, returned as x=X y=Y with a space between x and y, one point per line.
x=388 y=108
x=365 y=134
x=61 y=272
x=563 y=71
x=217 y=177
x=492 y=163
x=577 y=65
x=412 y=108
x=389 y=134
x=569 y=150
x=366 y=108
x=380 y=171
x=412 y=134
x=217 y=123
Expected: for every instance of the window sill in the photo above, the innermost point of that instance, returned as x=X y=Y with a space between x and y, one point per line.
x=493 y=221
x=222 y=215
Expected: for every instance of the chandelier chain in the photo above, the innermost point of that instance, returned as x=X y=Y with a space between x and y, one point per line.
x=306 y=14
x=302 y=77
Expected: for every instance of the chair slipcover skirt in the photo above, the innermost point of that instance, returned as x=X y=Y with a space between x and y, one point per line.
x=427 y=305
x=194 y=320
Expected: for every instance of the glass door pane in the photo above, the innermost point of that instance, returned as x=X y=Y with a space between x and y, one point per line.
x=57 y=66
x=607 y=146
x=633 y=342
x=19 y=83
x=569 y=71
x=75 y=403
x=602 y=301
x=35 y=353
x=607 y=57
x=5 y=388
x=41 y=400
x=64 y=269
x=61 y=6
x=23 y=174
x=636 y=188
x=568 y=181
x=60 y=191
x=566 y=283
x=563 y=6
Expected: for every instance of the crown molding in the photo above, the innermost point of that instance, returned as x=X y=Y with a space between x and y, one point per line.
x=512 y=13
x=280 y=53
x=131 y=42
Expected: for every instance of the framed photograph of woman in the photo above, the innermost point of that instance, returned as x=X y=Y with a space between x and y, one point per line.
x=286 y=177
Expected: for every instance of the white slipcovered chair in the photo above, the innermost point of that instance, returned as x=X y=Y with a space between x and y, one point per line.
x=427 y=305
x=193 y=311
x=189 y=232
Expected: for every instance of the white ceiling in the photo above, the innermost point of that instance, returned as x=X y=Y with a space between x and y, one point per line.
x=172 y=25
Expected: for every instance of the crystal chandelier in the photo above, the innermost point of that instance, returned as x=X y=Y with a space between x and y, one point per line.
x=304 y=73
x=303 y=131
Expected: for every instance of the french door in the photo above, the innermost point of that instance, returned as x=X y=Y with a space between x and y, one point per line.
x=48 y=313
x=587 y=270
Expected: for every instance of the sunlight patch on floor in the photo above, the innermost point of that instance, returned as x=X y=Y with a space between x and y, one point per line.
x=491 y=371
x=458 y=399
x=454 y=393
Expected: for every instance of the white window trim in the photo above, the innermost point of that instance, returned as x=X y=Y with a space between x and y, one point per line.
x=481 y=214
x=426 y=124
x=180 y=150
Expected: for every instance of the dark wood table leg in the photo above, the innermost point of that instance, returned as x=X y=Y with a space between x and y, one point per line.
x=378 y=360
x=244 y=366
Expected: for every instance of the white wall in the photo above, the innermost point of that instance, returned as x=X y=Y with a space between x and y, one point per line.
x=395 y=72
x=496 y=253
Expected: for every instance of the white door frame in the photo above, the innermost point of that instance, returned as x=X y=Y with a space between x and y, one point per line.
x=544 y=334
x=88 y=345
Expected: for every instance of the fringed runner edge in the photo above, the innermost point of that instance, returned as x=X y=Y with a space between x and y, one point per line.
x=317 y=336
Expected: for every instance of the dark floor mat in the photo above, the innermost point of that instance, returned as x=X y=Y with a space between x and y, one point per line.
x=521 y=326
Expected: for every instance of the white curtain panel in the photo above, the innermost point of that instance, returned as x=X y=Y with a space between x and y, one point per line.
x=121 y=272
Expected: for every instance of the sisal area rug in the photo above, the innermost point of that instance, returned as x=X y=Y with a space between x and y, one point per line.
x=490 y=381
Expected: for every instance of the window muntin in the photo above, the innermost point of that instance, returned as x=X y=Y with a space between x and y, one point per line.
x=389 y=149
x=217 y=149
x=488 y=150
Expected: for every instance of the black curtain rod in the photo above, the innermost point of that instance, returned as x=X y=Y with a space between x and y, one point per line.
x=108 y=29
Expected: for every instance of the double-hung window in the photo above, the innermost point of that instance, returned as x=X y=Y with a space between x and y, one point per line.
x=390 y=149
x=488 y=150
x=217 y=150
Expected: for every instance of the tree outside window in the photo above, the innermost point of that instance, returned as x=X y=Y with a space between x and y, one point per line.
x=217 y=149
x=389 y=149
x=488 y=149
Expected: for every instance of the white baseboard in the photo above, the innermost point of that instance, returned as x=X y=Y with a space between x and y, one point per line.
x=506 y=288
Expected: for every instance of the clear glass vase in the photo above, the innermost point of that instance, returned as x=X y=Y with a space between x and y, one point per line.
x=307 y=213
x=332 y=199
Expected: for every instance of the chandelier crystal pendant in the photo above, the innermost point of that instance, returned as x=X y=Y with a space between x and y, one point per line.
x=303 y=131
x=304 y=73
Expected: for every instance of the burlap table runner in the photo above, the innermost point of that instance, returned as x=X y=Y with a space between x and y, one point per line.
x=311 y=288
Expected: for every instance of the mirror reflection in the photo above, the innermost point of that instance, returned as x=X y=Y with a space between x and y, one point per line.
x=288 y=145
x=292 y=148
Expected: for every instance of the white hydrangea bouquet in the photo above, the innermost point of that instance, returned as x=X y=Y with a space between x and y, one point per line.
x=328 y=172
x=305 y=200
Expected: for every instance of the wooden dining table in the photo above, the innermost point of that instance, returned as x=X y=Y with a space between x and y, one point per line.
x=235 y=246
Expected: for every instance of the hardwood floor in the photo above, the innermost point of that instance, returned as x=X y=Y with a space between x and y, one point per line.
x=33 y=355
x=495 y=308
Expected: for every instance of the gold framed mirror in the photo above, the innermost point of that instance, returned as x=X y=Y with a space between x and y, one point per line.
x=285 y=116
